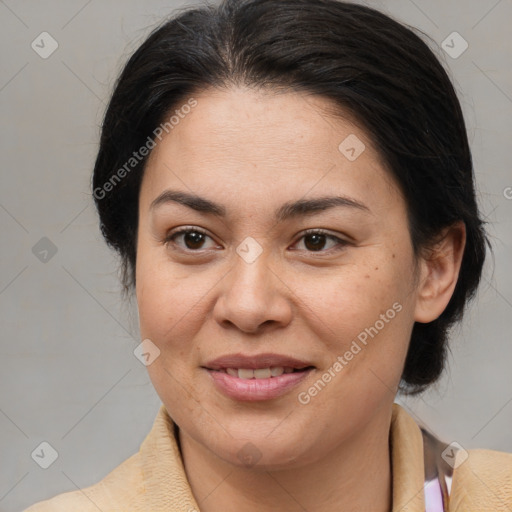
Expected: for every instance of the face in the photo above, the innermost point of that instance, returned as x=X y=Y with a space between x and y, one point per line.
x=319 y=299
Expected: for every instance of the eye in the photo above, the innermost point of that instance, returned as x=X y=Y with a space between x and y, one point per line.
x=193 y=238
x=315 y=240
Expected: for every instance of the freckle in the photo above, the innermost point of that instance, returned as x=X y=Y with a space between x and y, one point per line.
x=376 y=268
x=393 y=255
x=367 y=276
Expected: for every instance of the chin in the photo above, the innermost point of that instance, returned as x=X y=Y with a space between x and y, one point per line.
x=261 y=451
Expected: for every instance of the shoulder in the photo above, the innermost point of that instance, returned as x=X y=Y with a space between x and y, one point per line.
x=122 y=486
x=486 y=464
x=153 y=479
x=482 y=480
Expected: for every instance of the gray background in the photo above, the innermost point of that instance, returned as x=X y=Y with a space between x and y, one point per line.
x=68 y=375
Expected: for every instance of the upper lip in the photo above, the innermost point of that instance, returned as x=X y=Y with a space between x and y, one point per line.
x=255 y=361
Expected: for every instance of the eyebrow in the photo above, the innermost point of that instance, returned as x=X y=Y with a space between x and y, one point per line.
x=290 y=209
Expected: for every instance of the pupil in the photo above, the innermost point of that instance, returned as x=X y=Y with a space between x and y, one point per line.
x=195 y=238
x=317 y=238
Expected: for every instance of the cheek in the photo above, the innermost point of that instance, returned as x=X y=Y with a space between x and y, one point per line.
x=173 y=303
x=156 y=312
x=364 y=314
x=168 y=295
x=167 y=317
x=354 y=296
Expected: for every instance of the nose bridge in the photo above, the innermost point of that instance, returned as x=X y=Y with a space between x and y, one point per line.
x=252 y=294
x=250 y=276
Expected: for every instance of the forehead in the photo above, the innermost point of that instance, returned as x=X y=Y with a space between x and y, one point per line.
x=261 y=143
x=226 y=118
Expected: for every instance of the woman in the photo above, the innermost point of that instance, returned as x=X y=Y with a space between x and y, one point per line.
x=290 y=188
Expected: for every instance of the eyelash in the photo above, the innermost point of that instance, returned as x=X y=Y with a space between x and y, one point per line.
x=171 y=236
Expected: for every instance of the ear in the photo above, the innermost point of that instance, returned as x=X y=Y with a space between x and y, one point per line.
x=439 y=271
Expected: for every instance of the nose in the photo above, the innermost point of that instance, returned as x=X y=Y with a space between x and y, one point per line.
x=253 y=297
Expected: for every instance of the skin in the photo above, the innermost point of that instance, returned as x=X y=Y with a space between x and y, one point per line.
x=251 y=152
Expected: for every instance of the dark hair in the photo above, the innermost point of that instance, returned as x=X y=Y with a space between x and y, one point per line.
x=373 y=67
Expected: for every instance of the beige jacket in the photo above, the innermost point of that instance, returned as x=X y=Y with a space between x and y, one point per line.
x=154 y=479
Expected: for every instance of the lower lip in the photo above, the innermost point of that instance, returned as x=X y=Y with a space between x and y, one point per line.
x=257 y=389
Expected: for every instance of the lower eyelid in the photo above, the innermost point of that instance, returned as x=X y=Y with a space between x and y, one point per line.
x=170 y=238
x=340 y=243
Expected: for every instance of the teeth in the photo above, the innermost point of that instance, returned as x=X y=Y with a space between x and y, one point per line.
x=259 y=373
x=245 y=374
x=275 y=371
x=264 y=373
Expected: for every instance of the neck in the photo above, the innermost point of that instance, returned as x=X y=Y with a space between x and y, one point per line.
x=355 y=475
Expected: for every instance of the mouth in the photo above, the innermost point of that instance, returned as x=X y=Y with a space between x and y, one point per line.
x=254 y=378
x=261 y=373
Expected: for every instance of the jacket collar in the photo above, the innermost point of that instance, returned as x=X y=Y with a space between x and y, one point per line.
x=407 y=466
x=166 y=483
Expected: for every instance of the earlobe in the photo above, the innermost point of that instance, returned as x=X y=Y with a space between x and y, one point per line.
x=439 y=273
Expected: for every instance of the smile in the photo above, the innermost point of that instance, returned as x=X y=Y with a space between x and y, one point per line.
x=259 y=373
x=257 y=377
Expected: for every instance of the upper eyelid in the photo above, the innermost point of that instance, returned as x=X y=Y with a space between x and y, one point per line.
x=309 y=231
x=185 y=229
